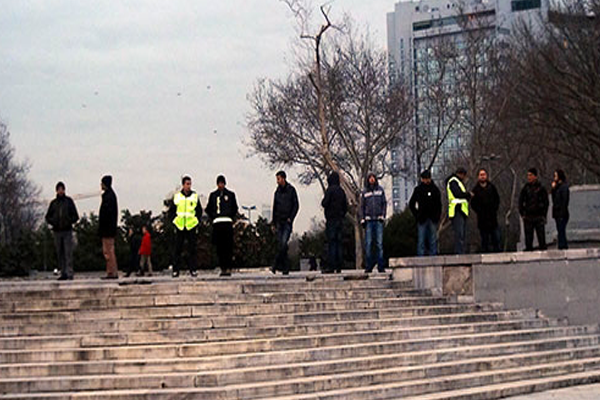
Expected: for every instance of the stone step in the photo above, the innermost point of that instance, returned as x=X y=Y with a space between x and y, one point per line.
x=336 y=356
x=18 y=305
x=355 y=344
x=365 y=386
x=215 y=335
x=254 y=326
x=520 y=387
x=275 y=380
x=98 y=289
x=220 y=309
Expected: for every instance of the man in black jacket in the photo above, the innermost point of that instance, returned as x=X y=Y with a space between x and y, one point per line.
x=485 y=202
x=533 y=207
x=560 y=206
x=335 y=204
x=222 y=209
x=426 y=205
x=108 y=218
x=285 y=209
x=61 y=215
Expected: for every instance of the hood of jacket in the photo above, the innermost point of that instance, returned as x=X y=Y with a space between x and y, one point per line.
x=367 y=184
x=333 y=179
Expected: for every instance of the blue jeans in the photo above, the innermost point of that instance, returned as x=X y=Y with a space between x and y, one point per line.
x=561 y=227
x=282 y=261
x=459 y=226
x=374 y=228
x=427 y=238
x=334 y=238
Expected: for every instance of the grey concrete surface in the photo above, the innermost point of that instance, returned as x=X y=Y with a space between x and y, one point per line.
x=586 y=392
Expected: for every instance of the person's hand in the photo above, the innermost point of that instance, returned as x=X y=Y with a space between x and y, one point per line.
x=362 y=222
x=553 y=184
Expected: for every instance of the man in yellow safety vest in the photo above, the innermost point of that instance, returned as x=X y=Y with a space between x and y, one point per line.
x=187 y=210
x=458 y=208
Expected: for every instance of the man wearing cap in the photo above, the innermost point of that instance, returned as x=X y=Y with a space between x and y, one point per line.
x=187 y=210
x=426 y=205
x=61 y=215
x=458 y=208
x=222 y=209
x=108 y=218
x=285 y=209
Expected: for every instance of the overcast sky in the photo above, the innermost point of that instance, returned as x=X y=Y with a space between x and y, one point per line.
x=147 y=91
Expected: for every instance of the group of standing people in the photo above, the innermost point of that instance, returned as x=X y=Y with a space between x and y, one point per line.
x=533 y=203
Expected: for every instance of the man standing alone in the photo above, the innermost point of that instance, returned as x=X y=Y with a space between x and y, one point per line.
x=222 y=209
x=533 y=207
x=188 y=211
x=108 y=217
x=485 y=203
x=458 y=208
x=372 y=214
x=285 y=209
x=335 y=204
x=560 y=207
x=426 y=205
x=61 y=215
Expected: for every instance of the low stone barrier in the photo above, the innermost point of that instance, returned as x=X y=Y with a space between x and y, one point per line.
x=560 y=283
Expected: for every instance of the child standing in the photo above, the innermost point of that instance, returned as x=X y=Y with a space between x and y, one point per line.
x=145 y=252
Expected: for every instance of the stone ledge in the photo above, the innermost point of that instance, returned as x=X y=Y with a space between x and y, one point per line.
x=494 y=258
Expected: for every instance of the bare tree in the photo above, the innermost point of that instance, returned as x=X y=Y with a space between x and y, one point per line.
x=341 y=114
x=19 y=197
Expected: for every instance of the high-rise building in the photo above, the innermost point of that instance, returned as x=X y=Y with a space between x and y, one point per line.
x=415 y=29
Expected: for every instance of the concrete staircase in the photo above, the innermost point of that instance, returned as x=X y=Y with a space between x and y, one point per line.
x=258 y=336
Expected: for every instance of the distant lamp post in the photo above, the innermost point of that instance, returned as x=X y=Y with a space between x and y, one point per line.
x=249 y=209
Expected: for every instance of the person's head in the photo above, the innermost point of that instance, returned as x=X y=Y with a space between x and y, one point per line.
x=130 y=232
x=106 y=182
x=221 y=182
x=461 y=173
x=371 y=179
x=426 y=177
x=186 y=183
x=333 y=178
x=144 y=229
x=560 y=176
x=482 y=175
x=60 y=189
x=281 y=178
x=532 y=175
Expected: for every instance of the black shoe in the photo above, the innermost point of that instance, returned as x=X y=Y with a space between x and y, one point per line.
x=285 y=273
x=128 y=274
x=338 y=271
x=175 y=274
x=63 y=278
x=327 y=271
x=110 y=277
x=193 y=273
x=368 y=271
x=273 y=270
x=225 y=273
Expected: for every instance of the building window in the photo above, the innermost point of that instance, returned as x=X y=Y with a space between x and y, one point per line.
x=522 y=5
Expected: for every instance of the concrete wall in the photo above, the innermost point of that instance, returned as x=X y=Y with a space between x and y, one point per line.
x=561 y=284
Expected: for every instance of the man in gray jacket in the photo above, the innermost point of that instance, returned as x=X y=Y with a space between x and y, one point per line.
x=372 y=215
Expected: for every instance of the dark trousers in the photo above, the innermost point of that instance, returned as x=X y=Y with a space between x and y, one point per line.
x=427 y=238
x=538 y=225
x=134 y=261
x=459 y=226
x=222 y=238
x=561 y=227
x=191 y=238
x=334 y=229
x=284 y=231
x=490 y=240
x=63 y=242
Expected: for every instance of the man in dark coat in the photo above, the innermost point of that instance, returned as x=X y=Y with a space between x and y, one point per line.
x=533 y=207
x=560 y=207
x=335 y=204
x=222 y=209
x=372 y=216
x=485 y=202
x=285 y=209
x=426 y=205
x=108 y=219
x=61 y=215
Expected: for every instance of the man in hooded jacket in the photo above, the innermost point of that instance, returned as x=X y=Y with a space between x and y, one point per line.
x=335 y=204
x=372 y=215
x=108 y=218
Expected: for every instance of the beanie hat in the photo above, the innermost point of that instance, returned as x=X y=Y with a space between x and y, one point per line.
x=107 y=180
x=220 y=179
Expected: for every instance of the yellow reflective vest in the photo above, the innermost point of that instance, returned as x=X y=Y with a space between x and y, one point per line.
x=186 y=211
x=453 y=201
